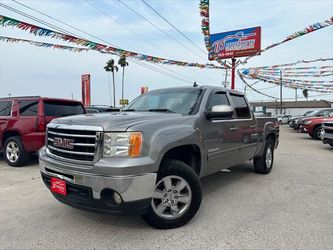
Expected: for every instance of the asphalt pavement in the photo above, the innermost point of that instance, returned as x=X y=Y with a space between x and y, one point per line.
x=291 y=208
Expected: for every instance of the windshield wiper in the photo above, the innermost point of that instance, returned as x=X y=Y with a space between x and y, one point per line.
x=161 y=110
x=125 y=110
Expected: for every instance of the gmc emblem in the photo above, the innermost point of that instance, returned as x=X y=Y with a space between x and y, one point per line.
x=63 y=143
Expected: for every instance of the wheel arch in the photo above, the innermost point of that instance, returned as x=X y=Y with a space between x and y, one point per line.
x=190 y=154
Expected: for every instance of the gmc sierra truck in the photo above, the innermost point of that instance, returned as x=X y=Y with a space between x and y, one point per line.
x=149 y=158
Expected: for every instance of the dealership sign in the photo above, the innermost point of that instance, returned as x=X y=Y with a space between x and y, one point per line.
x=237 y=43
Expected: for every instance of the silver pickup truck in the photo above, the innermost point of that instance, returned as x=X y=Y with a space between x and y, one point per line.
x=149 y=158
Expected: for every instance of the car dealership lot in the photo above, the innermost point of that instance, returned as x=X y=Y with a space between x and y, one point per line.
x=291 y=208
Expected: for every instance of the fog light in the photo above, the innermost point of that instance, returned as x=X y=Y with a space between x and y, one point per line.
x=117 y=198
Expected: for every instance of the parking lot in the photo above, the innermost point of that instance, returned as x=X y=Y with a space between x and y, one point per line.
x=292 y=208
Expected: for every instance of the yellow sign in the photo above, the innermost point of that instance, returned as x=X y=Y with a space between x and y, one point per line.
x=123 y=101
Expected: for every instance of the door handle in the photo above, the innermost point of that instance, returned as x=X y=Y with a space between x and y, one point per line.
x=252 y=126
x=233 y=129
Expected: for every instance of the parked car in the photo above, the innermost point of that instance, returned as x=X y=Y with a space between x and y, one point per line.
x=312 y=126
x=317 y=113
x=149 y=158
x=283 y=119
x=101 y=109
x=294 y=119
x=23 y=123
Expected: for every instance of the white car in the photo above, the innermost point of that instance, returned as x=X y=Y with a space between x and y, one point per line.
x=283 y=119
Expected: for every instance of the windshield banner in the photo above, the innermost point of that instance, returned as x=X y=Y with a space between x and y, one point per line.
x=237 y=43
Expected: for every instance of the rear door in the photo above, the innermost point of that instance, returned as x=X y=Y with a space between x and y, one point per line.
x=27 y=122
x=55 y=108
x=246 y=126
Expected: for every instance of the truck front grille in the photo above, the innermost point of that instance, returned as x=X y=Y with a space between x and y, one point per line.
x=72 y=144
x=328 y=127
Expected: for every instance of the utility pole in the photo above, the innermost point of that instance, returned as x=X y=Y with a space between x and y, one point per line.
x=226 y=77
x=295 y=94
x=233 y=66
x=72 y=95
x=280 y=92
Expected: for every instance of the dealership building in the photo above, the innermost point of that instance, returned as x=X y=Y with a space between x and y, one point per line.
x=291 y=107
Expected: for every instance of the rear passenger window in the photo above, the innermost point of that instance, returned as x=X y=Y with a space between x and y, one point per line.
x=56 y=108
x=241 y=107
x=5 y=108
x=219 y=98
x=28 y=107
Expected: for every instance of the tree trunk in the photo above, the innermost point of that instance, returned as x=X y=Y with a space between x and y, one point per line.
x=114 y=91
x=122 y=85
x=109 y=88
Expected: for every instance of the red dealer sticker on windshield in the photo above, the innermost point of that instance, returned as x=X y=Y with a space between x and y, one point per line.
x=58 y=186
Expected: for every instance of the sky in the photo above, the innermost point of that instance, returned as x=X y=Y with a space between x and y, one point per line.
x=30 y=70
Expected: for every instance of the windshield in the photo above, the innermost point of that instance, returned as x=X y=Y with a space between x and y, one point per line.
x=178 y=100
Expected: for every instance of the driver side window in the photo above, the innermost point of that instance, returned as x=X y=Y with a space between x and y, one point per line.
x=218 y=98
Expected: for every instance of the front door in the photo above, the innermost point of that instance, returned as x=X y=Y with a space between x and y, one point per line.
x=220 y=136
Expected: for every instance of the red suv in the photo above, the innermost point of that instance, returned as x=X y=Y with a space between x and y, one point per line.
x=312 y=126
x=23 y=123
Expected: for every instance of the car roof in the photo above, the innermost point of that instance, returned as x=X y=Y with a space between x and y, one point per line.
x=204 y=87
x=39 y=98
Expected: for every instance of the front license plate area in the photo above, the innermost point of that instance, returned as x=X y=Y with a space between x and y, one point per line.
x=58 y=186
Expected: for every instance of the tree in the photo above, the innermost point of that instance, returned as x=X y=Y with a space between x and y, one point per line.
x=123 y=63
x=305 y=93
x=110 y=67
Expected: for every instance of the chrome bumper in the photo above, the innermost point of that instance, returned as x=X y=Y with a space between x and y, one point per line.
x=130 y=187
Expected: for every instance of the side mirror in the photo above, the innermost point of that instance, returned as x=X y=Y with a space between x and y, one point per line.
x=220 y=111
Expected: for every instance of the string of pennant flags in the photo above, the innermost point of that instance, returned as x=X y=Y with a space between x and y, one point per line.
x=90 y=45
x=42 y=44
x=322 y=86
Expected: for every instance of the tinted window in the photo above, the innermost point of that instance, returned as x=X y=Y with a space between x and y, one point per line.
x=28 y=107
x=241 y=107
x=62 y=109
x=5 y=108
x=218 y=99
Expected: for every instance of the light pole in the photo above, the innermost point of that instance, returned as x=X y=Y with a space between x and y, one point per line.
x=280 y=92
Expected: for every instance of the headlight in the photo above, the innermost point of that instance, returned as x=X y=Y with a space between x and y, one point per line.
x=307 y=122
x=122 y=144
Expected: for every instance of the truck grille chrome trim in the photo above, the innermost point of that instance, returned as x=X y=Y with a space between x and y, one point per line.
x=72 y=135
x=69 y=152
x=72 y=143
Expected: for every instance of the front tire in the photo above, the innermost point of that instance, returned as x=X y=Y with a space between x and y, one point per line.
x=15 y=154
x=264 y=163
x=176 y=197
x=316 y=133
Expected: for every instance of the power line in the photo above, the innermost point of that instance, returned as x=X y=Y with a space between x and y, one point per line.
x=64 y=31
x=130 y=30
x=171 y=37
x=173 y=26
x=124 y=26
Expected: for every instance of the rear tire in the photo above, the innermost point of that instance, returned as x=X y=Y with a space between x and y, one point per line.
x=331 y=145
x=14 y=152
x=264 y=163
x=176 y=198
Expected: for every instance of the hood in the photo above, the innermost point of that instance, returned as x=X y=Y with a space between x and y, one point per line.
x=119 y=121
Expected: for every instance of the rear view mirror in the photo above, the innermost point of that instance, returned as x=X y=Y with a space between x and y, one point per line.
x=220 y=111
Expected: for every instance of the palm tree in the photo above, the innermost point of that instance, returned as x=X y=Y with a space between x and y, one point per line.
x=123 y=63
x=305 y=93
x=110 y=67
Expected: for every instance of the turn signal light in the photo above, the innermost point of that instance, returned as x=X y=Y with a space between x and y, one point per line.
x=135 y=142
